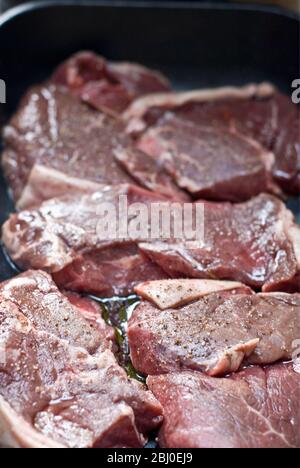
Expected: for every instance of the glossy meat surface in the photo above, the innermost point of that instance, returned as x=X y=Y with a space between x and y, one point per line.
x=256 y=408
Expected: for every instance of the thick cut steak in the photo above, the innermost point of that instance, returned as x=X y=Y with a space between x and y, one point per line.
x=256 y=243
x=110 y=87
x=53 y=128
x=62 y=237
x=55 y=144
x=207 y=162
x=256 y=408
x=258 y=112
x=53 y=392
x=215 y=334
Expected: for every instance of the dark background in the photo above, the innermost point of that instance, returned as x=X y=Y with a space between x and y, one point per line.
x=292 y=4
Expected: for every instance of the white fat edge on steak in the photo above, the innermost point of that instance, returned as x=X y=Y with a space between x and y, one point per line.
x=134 y=114
x=167 y=294
x=232 y=358
x=45 y=183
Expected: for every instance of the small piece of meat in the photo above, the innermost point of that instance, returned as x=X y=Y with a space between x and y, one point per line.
x=175 y=293
x=259 y=112
x=62 y=237
x=39 y=300
x=109 y=87
x=59 y=394
x=54 y=129
x=256 y=408
x=207 y=162
x=256 y=243
x=216 y=334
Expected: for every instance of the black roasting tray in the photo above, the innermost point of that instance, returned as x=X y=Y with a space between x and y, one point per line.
x=196 y=45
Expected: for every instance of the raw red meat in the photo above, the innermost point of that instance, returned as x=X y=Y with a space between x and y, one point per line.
x=215 y=334
x=107 y=86
x=256 y=408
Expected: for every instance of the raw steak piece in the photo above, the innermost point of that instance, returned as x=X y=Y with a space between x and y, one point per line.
x=192 y=105
x=215 y=334
x=110 y=87
x=52 y=128
x=207 y=162
x=256 y=243
x=39 y=300
x=62 y=237
x=52 y=391
x=256 y=408
x=259 y=112
x=55 y=144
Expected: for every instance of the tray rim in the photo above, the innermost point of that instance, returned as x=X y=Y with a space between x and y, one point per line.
x=26 y=8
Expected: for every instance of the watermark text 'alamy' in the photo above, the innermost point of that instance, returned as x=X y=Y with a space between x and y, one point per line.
x=151 y=222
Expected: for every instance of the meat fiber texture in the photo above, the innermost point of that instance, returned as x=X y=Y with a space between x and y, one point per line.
x=55 y=130
x=257 y=112
x=55 y=144
x=213 y=327
x=54 y=392
x=204 y=161
x=64 y=240
x=256 y=243
x=255 y=408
